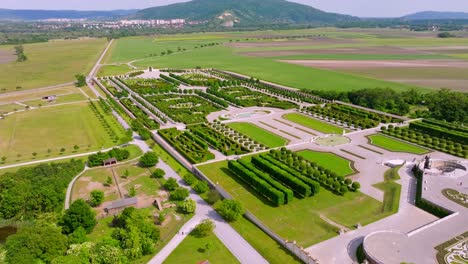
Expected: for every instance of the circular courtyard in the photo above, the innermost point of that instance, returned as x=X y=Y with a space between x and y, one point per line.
x=332 y=140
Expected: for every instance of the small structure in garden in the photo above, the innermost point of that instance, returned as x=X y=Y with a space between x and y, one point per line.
x=109 y=162
x=118 y=205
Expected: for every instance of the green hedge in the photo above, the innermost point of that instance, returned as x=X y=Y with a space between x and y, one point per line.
x=257 y=183
x=288 y=194
x=298 y=186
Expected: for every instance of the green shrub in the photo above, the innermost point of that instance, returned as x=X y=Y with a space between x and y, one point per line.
x=179 y=194
x=231 y=210
x=201 y=187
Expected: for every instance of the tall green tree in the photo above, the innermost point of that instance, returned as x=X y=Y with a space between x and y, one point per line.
x=80 y=80
x=149 y=159
x=78 y=215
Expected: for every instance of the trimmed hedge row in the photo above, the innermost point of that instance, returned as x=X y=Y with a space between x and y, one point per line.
x=213 y=98
x=140 y=114
x=314 y=186
x=423 y=203
x=439 y=131
x=257 y=183
x=288 y=194
x=298 y=186
x=447 y=125
x=182 y=142
x=220 y=142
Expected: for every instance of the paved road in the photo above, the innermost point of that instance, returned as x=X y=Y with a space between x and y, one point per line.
x=93 y=71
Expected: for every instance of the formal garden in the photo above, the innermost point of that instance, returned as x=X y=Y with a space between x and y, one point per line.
x=187 y=144
x=148 y=86
x=184 y=108
x=348 y=116
x=258 y=134
x=246 y=97
x=395 y=145
x=314 y=124
x=140 y=114
x=442 y=136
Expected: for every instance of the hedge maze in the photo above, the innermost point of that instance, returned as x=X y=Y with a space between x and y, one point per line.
x=217 y=140
x=445 y=137
x=187 y=144
x=348 y=116
x=140 y=114
x=149 y=86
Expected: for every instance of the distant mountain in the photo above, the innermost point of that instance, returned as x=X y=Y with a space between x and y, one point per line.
x=244 y=12
x=11 y=14
x=433 y=15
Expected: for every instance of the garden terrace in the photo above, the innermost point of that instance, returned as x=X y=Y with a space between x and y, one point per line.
x=140 y=114
x=260 y=135
x=245 y=97
x=245 y=140
x=188 y=109
x=218 y=140
x=187 y=144
x=194 y=79
x=346 y=116
x=149 y=86
x=432 y=136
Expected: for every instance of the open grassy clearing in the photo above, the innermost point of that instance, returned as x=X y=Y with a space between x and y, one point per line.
x=67 y=98
x=362 y=57
x=288 y=220
x=6 y=108
x=53 y=128
x=314 y=124
x=50 y=63
x=113 y=70
x=193 y=250
x=37 y=94
x=278 y=72
x=330 y=161
x=394 y=145
x=259 y=134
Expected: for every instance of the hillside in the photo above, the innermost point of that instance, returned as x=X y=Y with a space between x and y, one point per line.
x=11 y=14
x=430 y=15
x=244 y=12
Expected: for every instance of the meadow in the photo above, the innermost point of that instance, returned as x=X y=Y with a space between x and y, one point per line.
x=50 y=63
x=34 y=131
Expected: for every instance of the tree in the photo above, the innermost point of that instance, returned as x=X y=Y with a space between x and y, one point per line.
x=76 y=147
x=4 y=159
x=356 y=185
x=19 y=52
x=96 y=198
x=80 y=80
x=78 y=215
x=108 y=181
x=78 y=236
x=231 y=210
x=179 y=194
x=126 y=174
x=171 y=184
x=213 y=196
x=39 y=243
x=62 y=150
x=132 y=191
x=201 y=187
x=188 y=206
x=34 y=154
x=149 y=159
x=204 y=228
x=158 y=173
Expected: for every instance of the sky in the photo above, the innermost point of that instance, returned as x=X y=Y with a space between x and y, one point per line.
x=362 y=8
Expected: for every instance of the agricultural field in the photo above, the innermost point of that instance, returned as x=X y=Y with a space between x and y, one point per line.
x=395 y=145
x=197 y=249
x=35 y=132
x=439 y=135
x=259 y=134
x=341 y=166
x=314 y=124
x=50 y=63
x=287 y=220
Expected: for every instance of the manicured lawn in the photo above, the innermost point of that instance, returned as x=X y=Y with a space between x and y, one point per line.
x=299 y=220
x=392 y=190
x=192 y=250
x=314 y=124
x=50 y=63
x=259 y=134
x=394 y=145
x=54 y=128
x=335 y=163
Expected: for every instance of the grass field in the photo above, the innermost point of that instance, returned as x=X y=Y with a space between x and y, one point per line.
x=391 y=190
x=329 y=161
x=362 y=57
x=193 y=250
x=288 y=221
x=50 y=63
x=53 y=128
x=314 y=124
x=394 y=145
x=112 y=70
x=259 y=134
